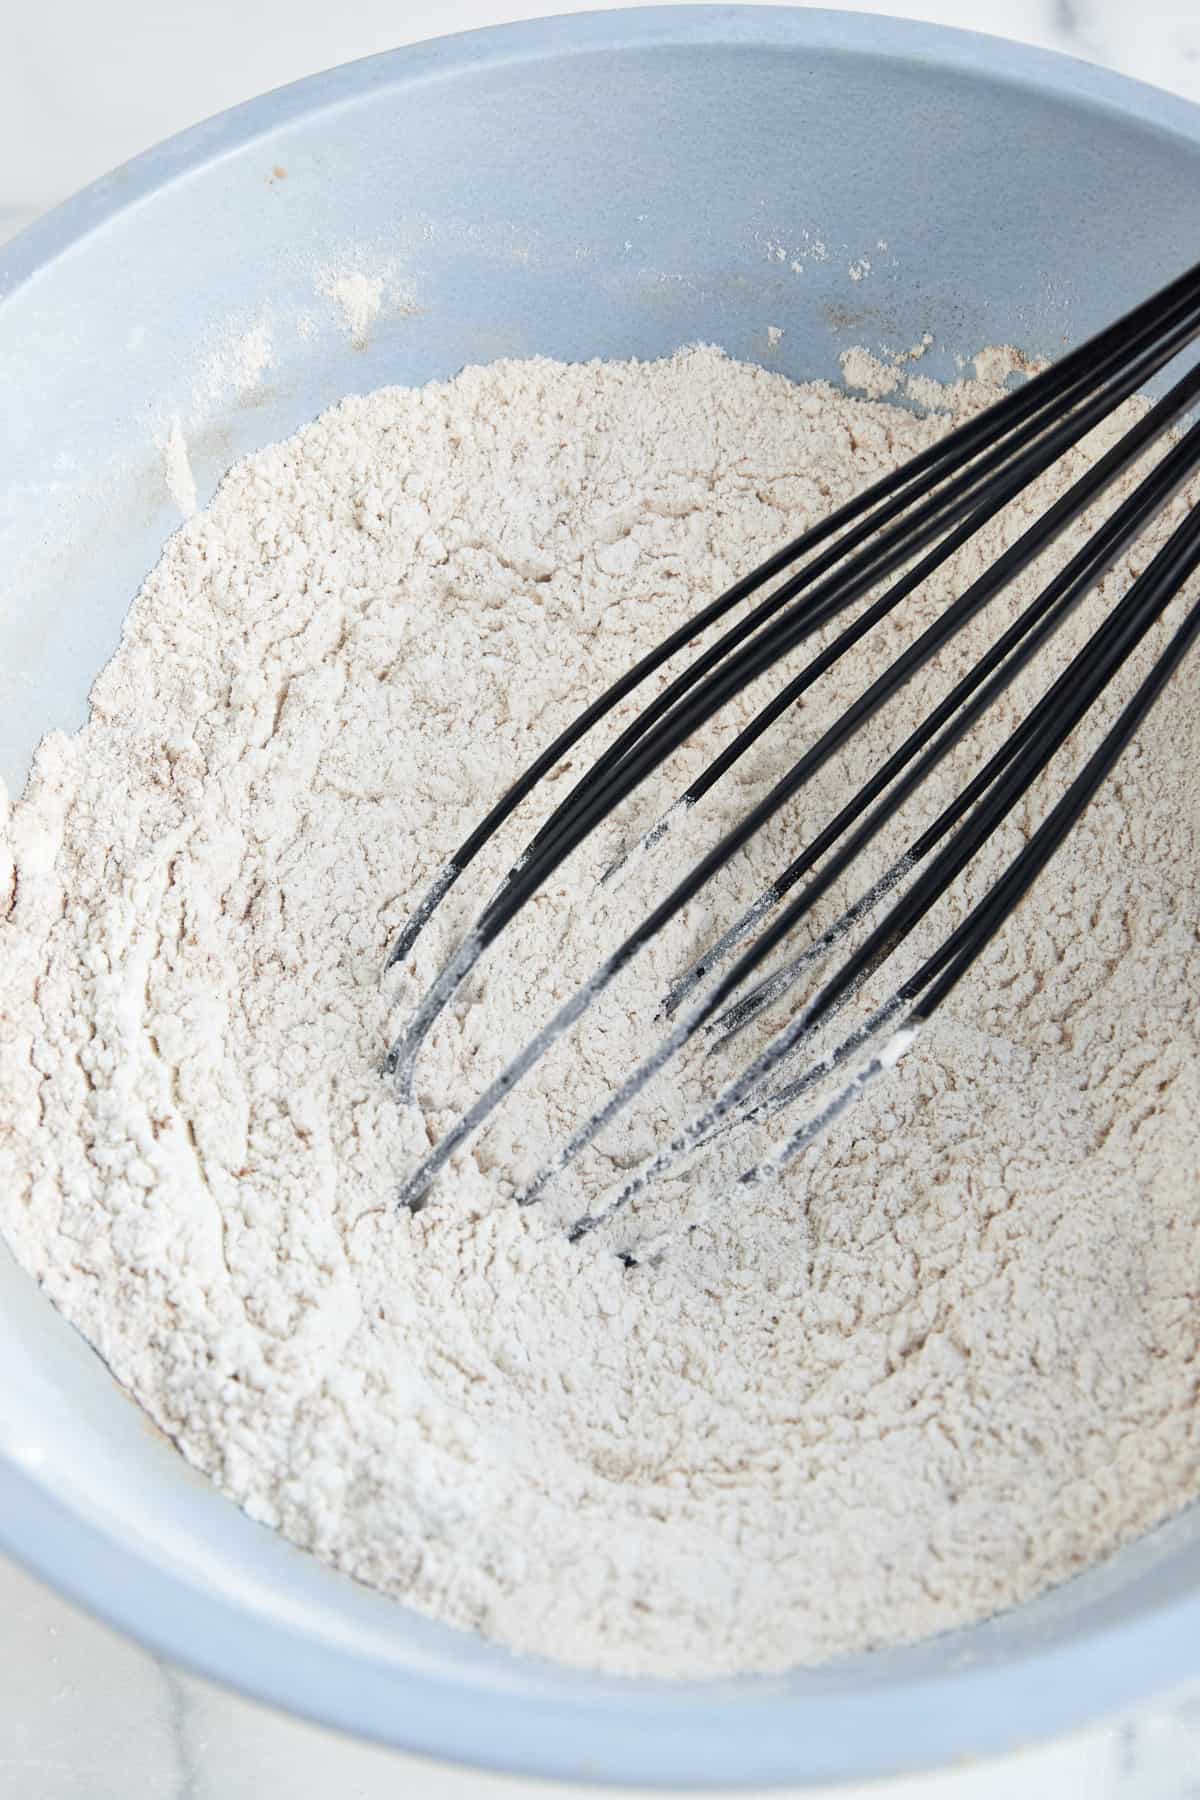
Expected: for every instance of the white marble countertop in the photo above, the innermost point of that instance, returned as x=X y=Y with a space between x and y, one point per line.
x=85 y=1715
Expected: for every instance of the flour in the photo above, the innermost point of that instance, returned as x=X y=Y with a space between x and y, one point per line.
x=863 y=371
x=177 y=466
x=236 y=366
x=949 y=1360
x=358 y=298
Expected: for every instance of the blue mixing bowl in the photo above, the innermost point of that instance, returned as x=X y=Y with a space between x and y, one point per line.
x=613 y=185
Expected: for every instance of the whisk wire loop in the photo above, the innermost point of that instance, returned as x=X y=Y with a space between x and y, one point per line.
x=899 y=532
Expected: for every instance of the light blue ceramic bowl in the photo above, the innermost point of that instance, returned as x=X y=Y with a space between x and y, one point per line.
x=612 y=185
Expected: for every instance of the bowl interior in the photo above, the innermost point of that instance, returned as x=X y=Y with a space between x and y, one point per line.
x=784 y=184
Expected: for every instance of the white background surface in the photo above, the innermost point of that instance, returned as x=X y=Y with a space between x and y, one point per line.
x=84 y=1715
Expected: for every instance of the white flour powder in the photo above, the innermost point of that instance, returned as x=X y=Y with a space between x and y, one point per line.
x=952 y=1359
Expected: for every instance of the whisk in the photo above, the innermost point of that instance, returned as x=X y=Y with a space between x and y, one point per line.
x=893 y=535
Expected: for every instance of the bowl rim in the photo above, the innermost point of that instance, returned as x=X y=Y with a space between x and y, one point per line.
x=564 y=35
x=635 y=1733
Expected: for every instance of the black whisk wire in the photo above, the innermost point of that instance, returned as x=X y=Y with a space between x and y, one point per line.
x=1039 y=620
x=1055 y=718
x=1052 y=387
x=1011 y=653
x=965 y=945
x=904 y=527
x=643 y=748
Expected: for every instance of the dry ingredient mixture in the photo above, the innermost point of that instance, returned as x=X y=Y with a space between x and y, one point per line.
x=950 y=1360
